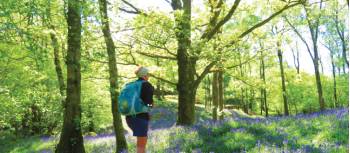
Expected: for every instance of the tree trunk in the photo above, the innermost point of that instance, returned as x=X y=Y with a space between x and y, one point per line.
x=313 y=28
x=186 y=64
x=221 y=94
x=71 y=139
x=334 y=82
x=209 y=92
x=266 y=106
x=57 y=62
x=158 y=88
x=344 y=48
x=158 y=85
x=113 y=76
x=318 y=81
x=206 y=96
x=245 y=100
x=341 y=35
x=296 y=58
x=284 y=92
x=261 y=102
x=215 y=90
x=35 y=119
x=316 y=68
x=263 y=90
x=186 y=99
x=321 y=65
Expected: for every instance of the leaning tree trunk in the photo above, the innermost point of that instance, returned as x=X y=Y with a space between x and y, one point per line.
x=71 y=140
x=342 y=36
x=284 y=92
x=318 y=76
x=57 y=63
x=113 y=76
x=319 y=86
x=314 y=31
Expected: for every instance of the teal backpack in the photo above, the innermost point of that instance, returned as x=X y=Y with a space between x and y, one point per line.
x=129 y=100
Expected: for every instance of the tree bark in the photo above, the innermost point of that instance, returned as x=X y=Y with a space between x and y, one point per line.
x=243 y=90
x=207 y=92
x=341 y=35
x=186 y=64
x=313 y=27
x=319 y=84
x=215 y=90
x=57 y=63
x=263 y=90
x=113 y=79
x=221 y=94
x=158 y=85
x=71 y=139
x=284 y=91
x=296 y=58
x=334 y=83
x=210 y=97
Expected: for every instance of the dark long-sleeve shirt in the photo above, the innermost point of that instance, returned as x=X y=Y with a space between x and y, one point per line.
x=147 y=97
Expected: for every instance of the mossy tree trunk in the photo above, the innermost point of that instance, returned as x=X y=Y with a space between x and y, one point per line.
x=121 y=143
x=71 y=139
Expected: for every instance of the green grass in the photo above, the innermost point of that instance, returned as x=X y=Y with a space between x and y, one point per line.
x=12 y=144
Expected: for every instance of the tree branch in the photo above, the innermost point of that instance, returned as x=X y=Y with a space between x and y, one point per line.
x=164 y=80
x=267 y=19
x=242 y=63
x=211 y=32
x=134 y=11
x=157 y=46
x=261 y=23
x=155 y=56
x=300 y=36
x=204 y=73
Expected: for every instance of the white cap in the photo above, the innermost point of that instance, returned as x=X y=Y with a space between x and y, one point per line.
x=141 y=71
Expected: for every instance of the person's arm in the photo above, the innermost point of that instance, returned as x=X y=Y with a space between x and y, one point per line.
x=147 y=94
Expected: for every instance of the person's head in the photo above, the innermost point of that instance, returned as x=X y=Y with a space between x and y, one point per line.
x=142 y=72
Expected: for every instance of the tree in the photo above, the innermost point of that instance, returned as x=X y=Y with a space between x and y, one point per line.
x=296 y=57
x=71 y=139
x=313 y=22
x=263 y=96
x=57 y=61
x=284 y=91
x=187 y=56
x=113 y=76
x=340 y=27
x=215 y=90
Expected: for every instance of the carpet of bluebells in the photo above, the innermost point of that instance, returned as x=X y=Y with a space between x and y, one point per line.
x=320 y=132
